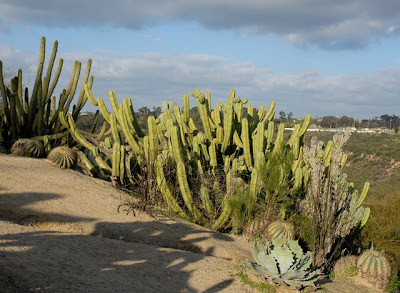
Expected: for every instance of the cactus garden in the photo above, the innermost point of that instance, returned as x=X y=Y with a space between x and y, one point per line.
x=235 y=170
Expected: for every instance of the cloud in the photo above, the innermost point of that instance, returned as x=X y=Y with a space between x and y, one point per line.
x=150 y=78
x=328 y=24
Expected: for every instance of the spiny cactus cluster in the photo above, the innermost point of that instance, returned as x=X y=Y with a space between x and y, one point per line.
x=331 y=203
x=285 y=264
x=28 y=147
x=206 y=166
x=35 y=113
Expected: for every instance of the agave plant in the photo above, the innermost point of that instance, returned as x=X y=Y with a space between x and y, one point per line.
x=284 y=264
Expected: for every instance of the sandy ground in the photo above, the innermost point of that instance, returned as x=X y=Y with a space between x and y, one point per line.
x=60 y=231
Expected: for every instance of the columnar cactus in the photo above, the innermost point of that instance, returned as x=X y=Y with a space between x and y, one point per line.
x=36 y=115
x=332 y=204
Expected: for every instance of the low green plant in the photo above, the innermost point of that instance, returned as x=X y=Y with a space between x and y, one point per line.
x=284 y=264
x=261 y=287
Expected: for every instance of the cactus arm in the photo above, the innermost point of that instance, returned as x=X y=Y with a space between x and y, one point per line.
x=363 y=194
x=258 y=139
x=128 y=135
x=246 y=142
x=185 y=191
x=103 y=165
x=228 y=126
x=153 y=141
x=114 y=128
x=270 y=113
x=186 y=108
x=166 y=192
x=103 y=109
x=116 y=160
x=122 y=166
x=208 y=206
x=89 y=94
x=305 y=125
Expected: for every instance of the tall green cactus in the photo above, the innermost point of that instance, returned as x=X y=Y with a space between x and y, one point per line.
x=36 y=114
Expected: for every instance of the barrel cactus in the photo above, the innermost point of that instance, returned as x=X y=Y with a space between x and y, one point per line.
x=346 y=266
x=19 y=147
x=63 y=156
x=279 y=230
x=284 y=264
x=374 y=267
x=256 y=226
x=34 y=149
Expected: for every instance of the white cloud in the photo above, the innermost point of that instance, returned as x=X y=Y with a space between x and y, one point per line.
x=149 y=78
x=329 y=24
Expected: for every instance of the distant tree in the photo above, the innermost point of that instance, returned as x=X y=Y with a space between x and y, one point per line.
x=329 y=122
x=282 y=115
x=289 y=116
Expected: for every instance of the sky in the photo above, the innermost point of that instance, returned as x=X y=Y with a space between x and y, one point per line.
x=321 y=57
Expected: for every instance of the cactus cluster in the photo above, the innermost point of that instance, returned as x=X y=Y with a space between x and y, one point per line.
x=197 y=172
x=331 y=203
x=28 y=147
x=285 y=264
x=34 y=113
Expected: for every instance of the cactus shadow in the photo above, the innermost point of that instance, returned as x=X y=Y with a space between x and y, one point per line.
x=14 y=207
x=51 y=261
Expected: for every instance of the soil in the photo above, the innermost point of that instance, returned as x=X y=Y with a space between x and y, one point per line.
x=61 y=231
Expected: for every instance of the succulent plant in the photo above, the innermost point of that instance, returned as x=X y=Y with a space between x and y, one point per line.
x=345 y=266
x=279 y=230
x=63 y=156
x=284 y=264
x=34 y=149
x=19 y=147
x=257 y=226
x=374 y=267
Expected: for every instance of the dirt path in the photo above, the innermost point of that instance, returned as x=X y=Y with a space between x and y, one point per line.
x=60 y=231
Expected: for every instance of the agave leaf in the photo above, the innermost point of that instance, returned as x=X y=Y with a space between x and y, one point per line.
x=268 y=262
x=293 y=284
x=292 y=275
x=283 y=257
x=295 y=248
x=304 y=262
x=257 y=248
x=262 y=271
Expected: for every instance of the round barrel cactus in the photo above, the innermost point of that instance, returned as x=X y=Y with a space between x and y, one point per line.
x=374 y=267
x=257 y=226
x=345 y=266
x=19 y=147
x=279 y=230
x=63 y=156
x=34 y=149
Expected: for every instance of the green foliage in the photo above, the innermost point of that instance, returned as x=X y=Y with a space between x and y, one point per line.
x=261 y=287
x=284 y=264
x=384 y=230
x=394 y=283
